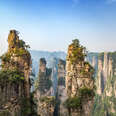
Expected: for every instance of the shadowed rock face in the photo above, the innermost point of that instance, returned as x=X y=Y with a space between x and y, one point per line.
x=79 y=78
x=45 y=102
x=44 y=79
x=62 y=95
x=16 y=64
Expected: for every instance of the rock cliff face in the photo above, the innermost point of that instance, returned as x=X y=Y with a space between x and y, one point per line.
x=44 y=80
x=62 y=95
x=105 y=71
x=79 y=81
x=45 y=102
x=14 y=77
x=106 y=85
x=54 y=76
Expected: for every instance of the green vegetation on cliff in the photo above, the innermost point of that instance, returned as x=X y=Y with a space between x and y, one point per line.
x=48 y=99
x=73 y=103
x=29 y=107
x=86 y=92
x=79 y=81
x=104 y=106
x=76 y=102
x=13 y=76
x=78 y=52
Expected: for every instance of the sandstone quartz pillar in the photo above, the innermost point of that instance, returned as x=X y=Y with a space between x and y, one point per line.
x=79 y=80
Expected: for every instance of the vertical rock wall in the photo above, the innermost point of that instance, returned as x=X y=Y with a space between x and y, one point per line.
x=54 y=76
x=15 y=72
x=79 y=81
x=62 y=95
x=45 y=102
x=106 y=85
x=105 y=71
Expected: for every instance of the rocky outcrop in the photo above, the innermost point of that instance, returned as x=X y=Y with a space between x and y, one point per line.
x=14 y=77
x=46 y=106
x=79 y=81
x=45 y=102
x=54 y=76
x=44 y=79
x=62 y=95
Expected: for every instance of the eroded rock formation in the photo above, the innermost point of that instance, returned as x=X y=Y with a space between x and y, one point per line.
x=45 y=102
x=105 y=71
x=62 y=94
x=54 y=76
x=79 y=81
x=14 y=77
x=106 y=85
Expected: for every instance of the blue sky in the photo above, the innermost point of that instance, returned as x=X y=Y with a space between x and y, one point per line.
x=52 y=24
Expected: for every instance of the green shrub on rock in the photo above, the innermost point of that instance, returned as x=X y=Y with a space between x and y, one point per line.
x=86 y=92
x=48 y=99
x=12 y=76
x=74 y=103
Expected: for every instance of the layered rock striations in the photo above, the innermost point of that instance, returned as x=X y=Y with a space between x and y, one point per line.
x=14 y=77
x=45 y=102
x=79 y=81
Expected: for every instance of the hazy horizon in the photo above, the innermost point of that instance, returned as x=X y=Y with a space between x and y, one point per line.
x=52 y=25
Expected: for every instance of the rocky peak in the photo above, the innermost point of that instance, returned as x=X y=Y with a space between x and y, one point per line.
x=61 y=72
x=13 y=39
x=62 y=64
x=15 y=73
x=44 y=78
x=62 y=95
x=42 y=65
x=105 y=66
x=18 y=58
x=45 y=102
x=79 y=78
